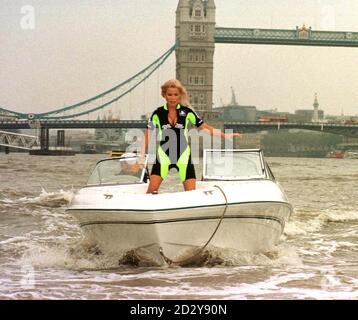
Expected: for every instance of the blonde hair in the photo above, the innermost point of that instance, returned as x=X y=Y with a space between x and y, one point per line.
x=174 y=83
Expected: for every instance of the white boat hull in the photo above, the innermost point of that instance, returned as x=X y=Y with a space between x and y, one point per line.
x=120 y=221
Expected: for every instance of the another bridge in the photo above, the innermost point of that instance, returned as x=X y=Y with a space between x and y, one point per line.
x=17 y=140
x=349 y=130
x=73 y=124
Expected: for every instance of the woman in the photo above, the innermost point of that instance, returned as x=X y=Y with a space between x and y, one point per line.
x=171 y=122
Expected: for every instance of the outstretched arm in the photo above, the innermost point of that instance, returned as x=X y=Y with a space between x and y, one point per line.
x=217 y=132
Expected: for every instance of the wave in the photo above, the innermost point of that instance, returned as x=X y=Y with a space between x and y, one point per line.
x=82 y=255
x=296 y=226
x=11 y=193
x=339 y=216
x=282 y=254
x=86 y=256
x=49 y=199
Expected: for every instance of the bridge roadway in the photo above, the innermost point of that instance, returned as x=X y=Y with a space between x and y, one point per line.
x=73 y=124
x=299 y=36
x=350 y=130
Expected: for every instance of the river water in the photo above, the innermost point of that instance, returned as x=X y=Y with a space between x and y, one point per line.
x=43 y=254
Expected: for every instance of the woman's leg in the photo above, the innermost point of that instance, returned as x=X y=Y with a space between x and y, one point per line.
x=189 y=184
x=159 y=172
x=188 y=172
x=154 y=183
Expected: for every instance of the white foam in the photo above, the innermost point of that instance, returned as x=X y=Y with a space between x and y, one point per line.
x=339 y=216
x=283 y=254
x=50 y=199
x=6 y=201
x=298 y=226
x=68 y=255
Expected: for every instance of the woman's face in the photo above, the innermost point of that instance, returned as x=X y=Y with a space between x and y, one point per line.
x=172 y=96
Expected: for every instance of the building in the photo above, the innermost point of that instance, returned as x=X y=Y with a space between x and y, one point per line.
x=315 y=109
x=308 y=115
x=195 y=31
x=235 y=112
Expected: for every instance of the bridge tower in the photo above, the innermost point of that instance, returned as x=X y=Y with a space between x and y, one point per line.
x=315 y=110
x=195 y=30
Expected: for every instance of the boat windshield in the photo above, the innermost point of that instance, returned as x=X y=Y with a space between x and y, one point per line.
x=118 y=171
x=233 y=164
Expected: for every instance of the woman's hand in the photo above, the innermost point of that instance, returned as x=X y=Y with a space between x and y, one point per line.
x=216 y=132
x=232 y=135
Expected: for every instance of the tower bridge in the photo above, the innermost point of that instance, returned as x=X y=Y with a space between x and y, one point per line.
x=196 y=34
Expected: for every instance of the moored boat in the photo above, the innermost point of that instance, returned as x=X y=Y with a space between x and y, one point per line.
x=336 y=154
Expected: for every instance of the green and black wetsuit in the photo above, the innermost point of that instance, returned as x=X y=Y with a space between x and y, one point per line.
x=173 y=150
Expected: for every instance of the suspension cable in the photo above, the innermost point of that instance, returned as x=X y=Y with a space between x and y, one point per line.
x=142 y=75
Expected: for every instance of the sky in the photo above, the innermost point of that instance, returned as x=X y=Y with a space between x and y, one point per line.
x=76 y=49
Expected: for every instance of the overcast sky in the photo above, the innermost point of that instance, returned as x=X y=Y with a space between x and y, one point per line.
x=79 y=48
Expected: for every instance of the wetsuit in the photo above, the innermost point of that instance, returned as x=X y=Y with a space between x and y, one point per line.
x=173 y=150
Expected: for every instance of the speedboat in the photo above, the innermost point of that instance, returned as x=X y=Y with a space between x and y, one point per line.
x=237 y=205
